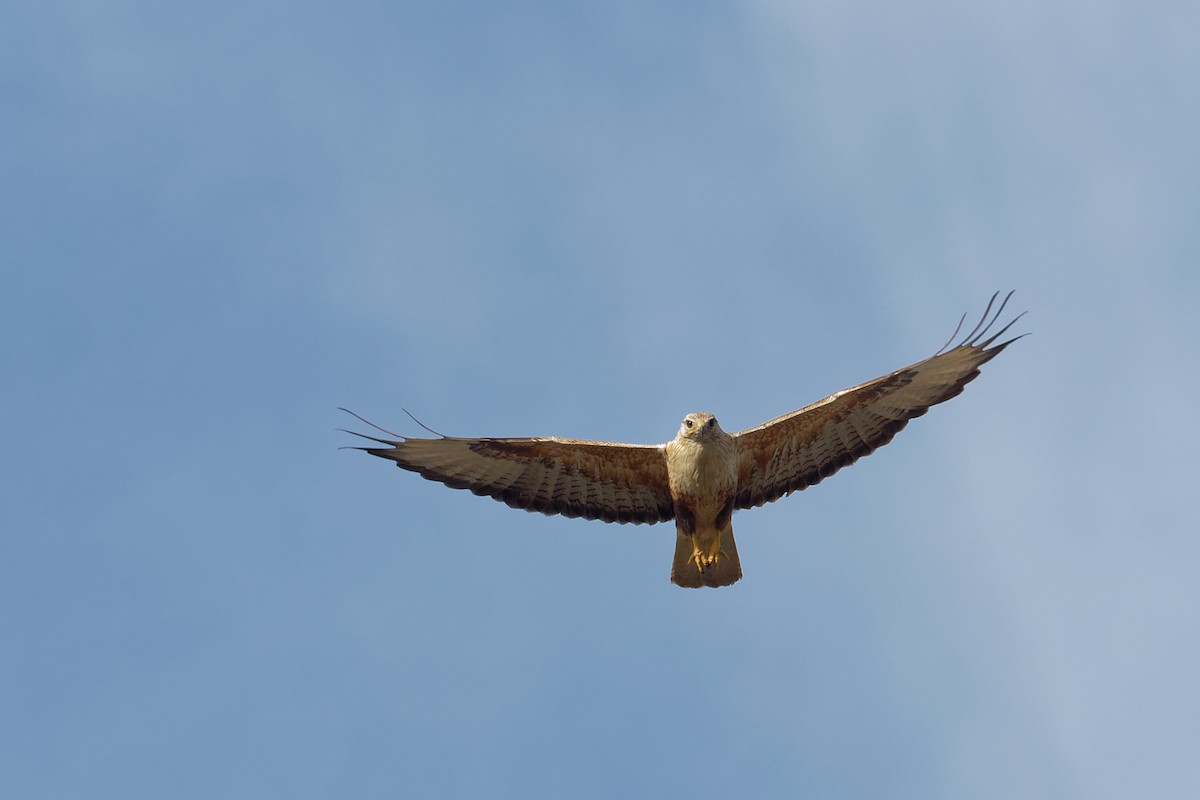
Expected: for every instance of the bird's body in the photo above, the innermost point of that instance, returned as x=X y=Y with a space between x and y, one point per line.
x=704 y=474
x=702 y=468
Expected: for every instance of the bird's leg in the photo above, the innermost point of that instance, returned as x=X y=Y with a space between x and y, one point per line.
x=707 y=557
x=715 y=551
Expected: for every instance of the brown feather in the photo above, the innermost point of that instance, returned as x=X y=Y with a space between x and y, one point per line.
x=595 y=480
x=804 y=447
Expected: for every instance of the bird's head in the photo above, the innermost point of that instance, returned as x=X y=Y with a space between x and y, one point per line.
x=699 y=425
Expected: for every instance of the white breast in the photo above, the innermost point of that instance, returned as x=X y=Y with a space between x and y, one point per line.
x=703 y=471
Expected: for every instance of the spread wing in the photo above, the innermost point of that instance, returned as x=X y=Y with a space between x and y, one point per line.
x=802 y=448
x=596 y=480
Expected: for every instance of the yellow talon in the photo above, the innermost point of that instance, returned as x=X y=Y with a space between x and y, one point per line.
x=704 y=560
x=716 y=552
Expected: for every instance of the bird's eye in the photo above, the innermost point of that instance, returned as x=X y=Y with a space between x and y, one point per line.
x=689 y=423
x=712 y=422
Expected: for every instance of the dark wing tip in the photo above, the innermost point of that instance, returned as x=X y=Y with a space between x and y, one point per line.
x=976 y=338
x=372 y=424
x=388 y=442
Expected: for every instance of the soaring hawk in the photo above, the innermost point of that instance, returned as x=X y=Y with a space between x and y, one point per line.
x=704 y=474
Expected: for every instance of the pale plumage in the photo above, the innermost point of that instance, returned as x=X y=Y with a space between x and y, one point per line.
x=703 y=475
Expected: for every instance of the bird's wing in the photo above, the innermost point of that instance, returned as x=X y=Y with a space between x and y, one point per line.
x=597 y=480
x=802 y=448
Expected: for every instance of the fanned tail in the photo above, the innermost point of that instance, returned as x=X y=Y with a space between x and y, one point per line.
x=685 y=572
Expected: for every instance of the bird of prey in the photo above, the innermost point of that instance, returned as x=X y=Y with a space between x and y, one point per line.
x=704 y=474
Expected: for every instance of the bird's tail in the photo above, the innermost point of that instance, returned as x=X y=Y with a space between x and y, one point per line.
x=686 y=572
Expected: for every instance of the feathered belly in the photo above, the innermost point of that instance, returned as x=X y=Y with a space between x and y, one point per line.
x=702 y=485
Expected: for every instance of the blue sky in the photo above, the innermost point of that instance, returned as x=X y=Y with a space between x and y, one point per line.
x=222 y=221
